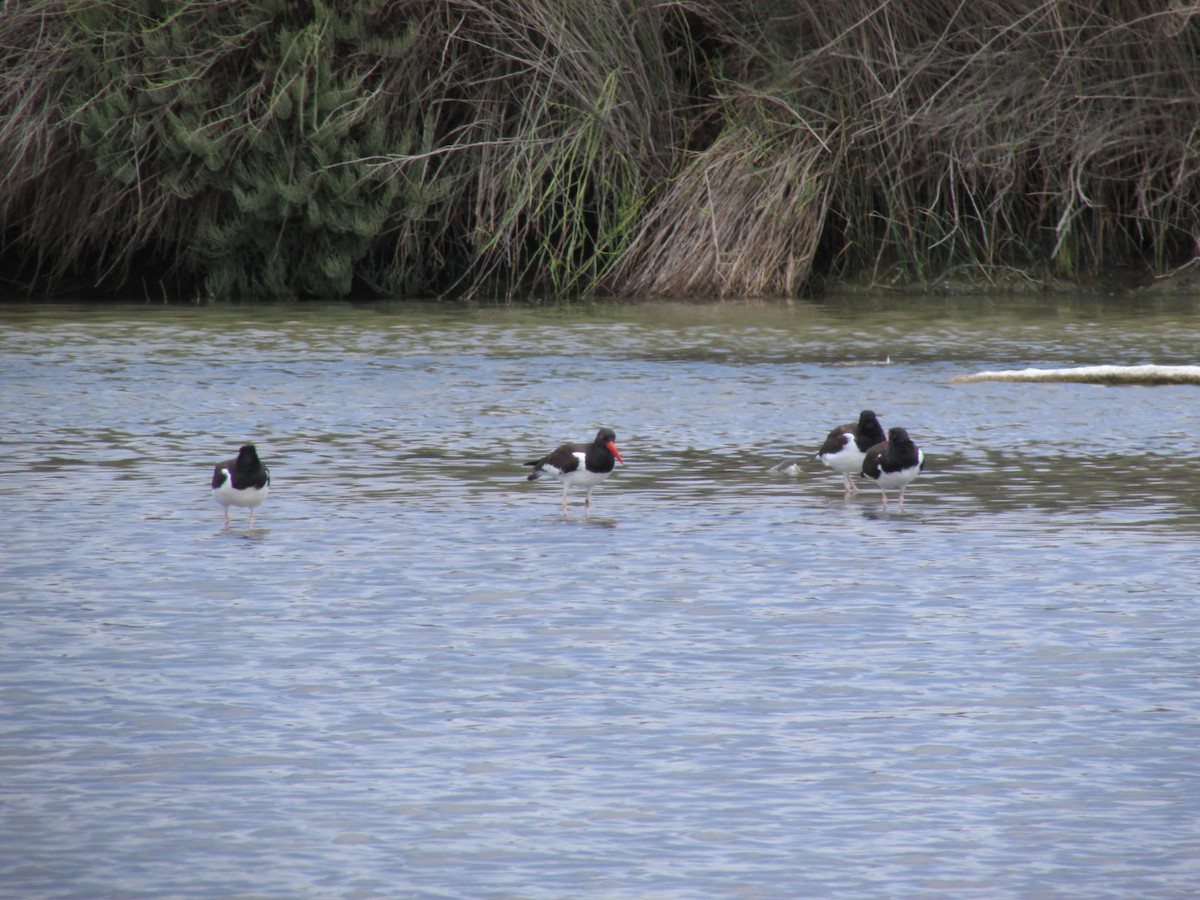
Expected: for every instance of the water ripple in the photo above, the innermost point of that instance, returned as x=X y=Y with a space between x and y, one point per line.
x=416 y=677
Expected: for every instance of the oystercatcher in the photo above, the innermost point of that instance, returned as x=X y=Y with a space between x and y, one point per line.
x=580 y=466
x=894 y=463
x=846 y=447
x=243 y=481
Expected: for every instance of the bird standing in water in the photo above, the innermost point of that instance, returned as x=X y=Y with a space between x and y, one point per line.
x=580 y=466
x=846 y=448
x=894 y=463
x=242 y=481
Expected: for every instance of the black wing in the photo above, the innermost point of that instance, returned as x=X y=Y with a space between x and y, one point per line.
x=221 y=473
x=872 y=465
x=563 y=459
x=836 y=440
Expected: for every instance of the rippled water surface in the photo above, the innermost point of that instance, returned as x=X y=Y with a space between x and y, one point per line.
x=416 y=678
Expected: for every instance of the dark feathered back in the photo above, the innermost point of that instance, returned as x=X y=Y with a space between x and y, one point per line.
x=247 y=470
x=869 y=432
x=897 y=454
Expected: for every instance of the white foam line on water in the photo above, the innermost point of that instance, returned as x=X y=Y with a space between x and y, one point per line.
x=1147 y=374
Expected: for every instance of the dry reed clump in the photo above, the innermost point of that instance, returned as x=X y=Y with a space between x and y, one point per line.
x=556 y=121
x=278 y=148
x=1008 y=133
x=742 y=218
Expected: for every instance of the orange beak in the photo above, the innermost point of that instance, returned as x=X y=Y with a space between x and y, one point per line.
x=613 y=449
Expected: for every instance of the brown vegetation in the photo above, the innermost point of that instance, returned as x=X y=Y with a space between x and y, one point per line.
x=282 y=148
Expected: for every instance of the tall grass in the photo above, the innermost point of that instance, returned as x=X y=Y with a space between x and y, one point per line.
x=231 y=148
x=1011 y=133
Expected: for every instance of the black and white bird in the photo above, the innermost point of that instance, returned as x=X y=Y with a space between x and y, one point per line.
x=846 y=447
x=243 y=481
x=894 y=463
x=580 y=466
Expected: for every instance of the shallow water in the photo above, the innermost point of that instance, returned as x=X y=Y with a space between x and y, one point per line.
x=415 y=678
